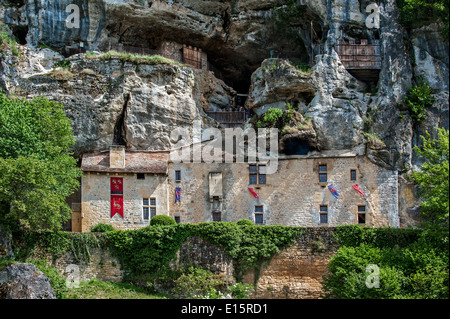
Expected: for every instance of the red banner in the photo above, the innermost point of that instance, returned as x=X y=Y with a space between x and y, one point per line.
x=116 y=185
x=116 y=205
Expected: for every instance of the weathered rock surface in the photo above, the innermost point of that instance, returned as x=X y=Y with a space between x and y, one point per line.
x=24 y=281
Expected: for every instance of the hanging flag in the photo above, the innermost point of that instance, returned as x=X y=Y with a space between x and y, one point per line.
x=253 y=192
x=116 y=185
x=333 y=190
x=178 y=194
x=116 y=205
x=356 y=187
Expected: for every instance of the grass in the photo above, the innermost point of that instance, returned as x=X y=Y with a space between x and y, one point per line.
x=134 y=58
x=8 y=42
x=96 y=289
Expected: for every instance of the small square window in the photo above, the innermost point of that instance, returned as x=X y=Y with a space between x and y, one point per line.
x=259 y=209
x=152 y=201
x=361 y=218
x=145 y=201
x=322 y=168
x=324 y=209
x=362 y=209
x=146 y=213
x=253 y=169
x=217 y=216
x=177 y=176
x=140 y=176
x=262 y=169
x=353 y=175
x=324 y=218
x=259 y=219
x=253 y=180
x=323 y=178
x=261 y=179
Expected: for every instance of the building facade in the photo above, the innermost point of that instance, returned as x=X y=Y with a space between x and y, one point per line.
x=126 y=189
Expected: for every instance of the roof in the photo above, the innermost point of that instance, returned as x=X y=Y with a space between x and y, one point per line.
x=135 y=162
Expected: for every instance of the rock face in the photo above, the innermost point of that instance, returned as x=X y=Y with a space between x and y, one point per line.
x=24 y=281
x=114 y=101
x=139 y=105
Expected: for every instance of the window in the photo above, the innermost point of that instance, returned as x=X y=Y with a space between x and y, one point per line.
x=259 y=216
x=323 y=214
x=361 y=214
x=177 y=219
x=259 y=219
x=177 y=176
x=253 y=174
x=149 y=208
x=353 y=175
x=261 y=174
x=217 y=216
x=152 y=207
x=145 y=208
x=323 y=174
x=257 y=174
x=140 y=176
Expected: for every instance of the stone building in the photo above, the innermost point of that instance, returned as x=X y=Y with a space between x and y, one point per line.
x=126 y=189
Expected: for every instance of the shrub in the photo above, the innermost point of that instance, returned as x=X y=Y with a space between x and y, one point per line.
x=162 y=220
x=419 y=98
x=244 y=222
x=198 y=283
x=101 y=228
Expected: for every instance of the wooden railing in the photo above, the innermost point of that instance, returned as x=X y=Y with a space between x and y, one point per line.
x=229 y=119
x=359 y=56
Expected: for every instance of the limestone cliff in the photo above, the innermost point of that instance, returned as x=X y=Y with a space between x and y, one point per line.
x=114 y=100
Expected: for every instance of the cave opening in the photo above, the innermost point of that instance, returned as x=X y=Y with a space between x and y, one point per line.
x=20 y=33
x=295 y=146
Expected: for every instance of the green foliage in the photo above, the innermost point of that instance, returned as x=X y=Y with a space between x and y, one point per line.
x=8 y=42
x=151 y=249
x=433 y=178
x=198 y=283
x=419 y=98
x=36 y=171
x=244 y=222
x=276 y=117
x=411 y=263
x=416 y=13
x=162 y=220
x=96 y=289
x=65 y=64
x=133 y=58
x=101 y=228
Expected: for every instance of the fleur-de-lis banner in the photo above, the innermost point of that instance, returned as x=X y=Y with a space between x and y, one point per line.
x=117 y=185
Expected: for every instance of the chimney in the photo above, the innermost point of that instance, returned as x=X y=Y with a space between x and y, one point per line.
x=117 y=156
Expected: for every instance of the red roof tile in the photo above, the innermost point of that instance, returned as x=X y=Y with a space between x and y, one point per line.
x=135 y=162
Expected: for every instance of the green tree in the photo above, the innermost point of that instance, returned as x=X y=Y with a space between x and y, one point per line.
x=37 y=172
x=416 y=13
x=433 y=178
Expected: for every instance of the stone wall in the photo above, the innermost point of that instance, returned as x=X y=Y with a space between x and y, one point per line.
x=293 y=195
x=96 y=200
x=296 y=272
